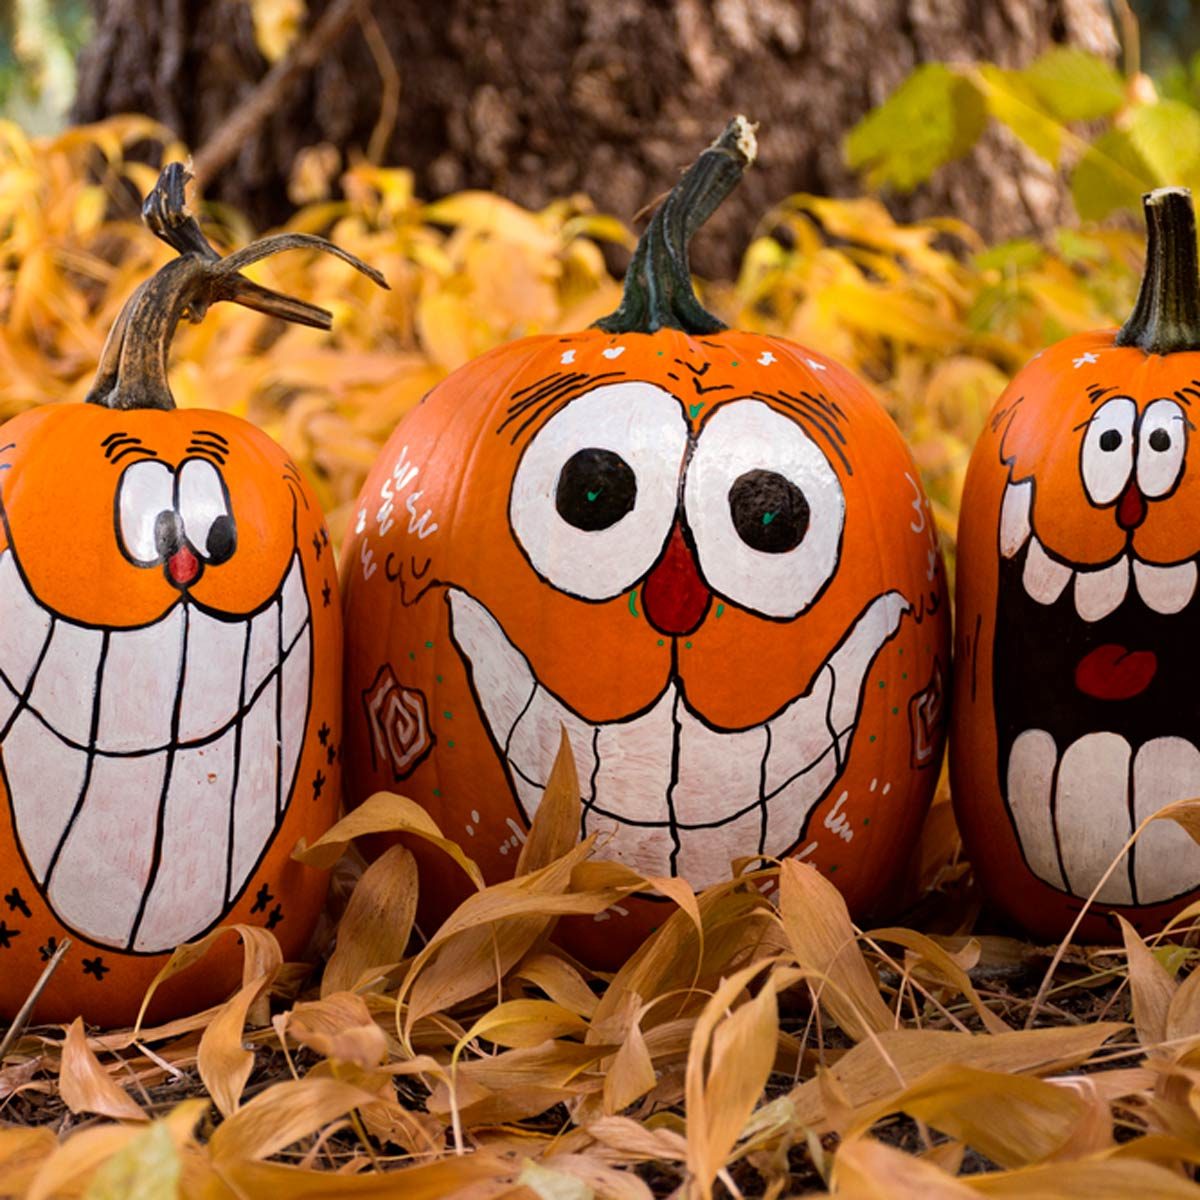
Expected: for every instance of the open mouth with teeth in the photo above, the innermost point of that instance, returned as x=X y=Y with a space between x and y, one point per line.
x=674 y=794
x=1085 y=760
x=149 y=768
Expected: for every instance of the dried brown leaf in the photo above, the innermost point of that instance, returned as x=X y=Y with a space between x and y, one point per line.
x=825 y=944
x=631 y=1073
x=223 y=1061
x=338 y=1027
x=375 y=928
x=556 y=823
x=86 y=1086
x=1151 y=988
x=864 y=1169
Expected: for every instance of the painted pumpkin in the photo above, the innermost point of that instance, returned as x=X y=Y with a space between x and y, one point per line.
x=169 y=667
x=1074 y=717
x=703 y=553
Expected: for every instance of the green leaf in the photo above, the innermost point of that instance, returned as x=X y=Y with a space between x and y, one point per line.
x=1167 y=136
x=146 y=1169
x=934 y=116
x=1011 y=99
x=1074 y=85
x=1014 y=255
x=1111 y=175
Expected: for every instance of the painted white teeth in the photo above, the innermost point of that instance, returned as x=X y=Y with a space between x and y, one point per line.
x=1167 y=590
x=66 y=680
x=137 y=692
x=649 y=780
x=1166 y=860
x=1098 y=593
x=1030 y=784
x=1092 y=814
x=191 y=893
x=212 y=678
x=24 y=628
x=88 y=820
x=1044 y=578
x=1077 y=804
x=1015 y=526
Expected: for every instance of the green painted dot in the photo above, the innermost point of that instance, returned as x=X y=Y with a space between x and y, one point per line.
x=439 y=679
x=871 y=738
x=833 y=868
x=903 y=674
x=660 y=354
x=450 y=744
x=448 y=715
x=412 y=656
x=882 y=683
x=593 y=496
x=661 y=642
x=768 y=517
x=734 y=363
x=428 y=645
x=895 y=711
x=687 y=645
x=901 y=650
x=437 y=791
x=866 y=820
x=720 y=611
x=694 y=409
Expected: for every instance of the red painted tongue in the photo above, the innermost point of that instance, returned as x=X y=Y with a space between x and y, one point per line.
x=1110 y=672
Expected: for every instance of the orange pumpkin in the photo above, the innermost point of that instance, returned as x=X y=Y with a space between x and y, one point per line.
x=169 y=668
x=703 y=553
x=1080 y=528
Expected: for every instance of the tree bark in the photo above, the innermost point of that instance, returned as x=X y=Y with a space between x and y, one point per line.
x=606 y=97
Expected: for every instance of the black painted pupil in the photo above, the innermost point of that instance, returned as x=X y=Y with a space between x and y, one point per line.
x=596 y=488
x=222 y=540
x=1110 y=439
x=1160 y=439
x=769 y=512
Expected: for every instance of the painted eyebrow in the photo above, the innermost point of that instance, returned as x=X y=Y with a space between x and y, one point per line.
x=814 y=416
x=551 y=391
x=208 y=450
x=121 y=445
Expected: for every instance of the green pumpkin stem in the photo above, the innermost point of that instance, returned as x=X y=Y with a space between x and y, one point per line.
x=132 y=373
x=658 y=284
x=1166 y=316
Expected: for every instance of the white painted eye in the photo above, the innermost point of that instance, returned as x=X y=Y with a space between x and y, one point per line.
x=146 y=490
x=204 y=507
x=1162 y=443
x=594 y=495
x=1106 y=459
x=765 y=508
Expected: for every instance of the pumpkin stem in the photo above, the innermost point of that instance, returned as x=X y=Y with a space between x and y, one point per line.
x=1166 y=316
x=132 y=372
x=658 y=284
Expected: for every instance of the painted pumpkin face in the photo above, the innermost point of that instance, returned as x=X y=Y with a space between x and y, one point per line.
x=707 y=559
x=169 y=695
x=1074 y=716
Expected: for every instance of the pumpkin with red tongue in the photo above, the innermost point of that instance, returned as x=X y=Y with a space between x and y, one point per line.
x=702 y=553
x=1076 y=711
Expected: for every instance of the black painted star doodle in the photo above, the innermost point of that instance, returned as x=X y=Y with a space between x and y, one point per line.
x=16 y=903
x=326 y=594
x=323 y=734
x=275 y=916
x=95 y=966
x=318 y=546
x=47 y=951
x=7 y=935
x=318 y=784
x=262 y=898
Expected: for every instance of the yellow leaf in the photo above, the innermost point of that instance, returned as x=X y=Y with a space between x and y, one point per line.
x=277 y=23
x=146 y=1168
x=1151 y=988
x=631 y=1073
x=864 y=1169
x=338 y=1026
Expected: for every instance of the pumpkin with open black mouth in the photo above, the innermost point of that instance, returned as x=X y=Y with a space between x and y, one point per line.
x=169 y=667
x=703 y=553
x=1076 y=715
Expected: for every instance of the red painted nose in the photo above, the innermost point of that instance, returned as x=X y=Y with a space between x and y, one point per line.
x=1131 y=509
x=183 y=567
x=674 y=597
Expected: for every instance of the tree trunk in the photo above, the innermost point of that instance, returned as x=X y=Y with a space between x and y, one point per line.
x=606 y=97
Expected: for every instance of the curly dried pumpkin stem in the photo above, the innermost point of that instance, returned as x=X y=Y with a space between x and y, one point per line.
x=132 y=372
x=1166 y=315
x=658 y=284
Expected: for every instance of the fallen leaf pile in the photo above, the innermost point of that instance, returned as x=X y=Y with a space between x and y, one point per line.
x=758 y=1043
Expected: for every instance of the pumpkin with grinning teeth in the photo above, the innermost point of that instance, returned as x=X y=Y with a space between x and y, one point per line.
x=1076 y=714
x=169 y=666
x=702 y=553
